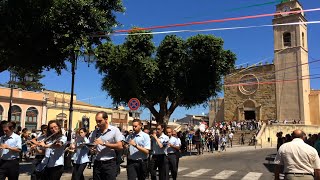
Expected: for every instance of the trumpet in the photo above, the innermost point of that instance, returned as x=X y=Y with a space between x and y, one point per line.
x=32 y=140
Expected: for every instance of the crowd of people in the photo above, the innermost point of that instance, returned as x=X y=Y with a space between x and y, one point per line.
x=311 y=139
x=298 y=154
x=146 y=151
x=104 y=149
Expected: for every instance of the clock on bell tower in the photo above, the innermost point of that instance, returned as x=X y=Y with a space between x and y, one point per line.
x=291 y=63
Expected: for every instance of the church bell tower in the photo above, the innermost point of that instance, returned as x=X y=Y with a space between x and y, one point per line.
x=291 y=63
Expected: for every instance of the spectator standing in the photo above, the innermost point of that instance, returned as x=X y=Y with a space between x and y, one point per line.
x=300 y=160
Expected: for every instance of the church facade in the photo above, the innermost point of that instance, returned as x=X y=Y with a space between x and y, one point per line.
x=278 y=91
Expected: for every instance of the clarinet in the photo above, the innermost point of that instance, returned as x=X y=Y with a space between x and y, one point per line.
x=92 y=154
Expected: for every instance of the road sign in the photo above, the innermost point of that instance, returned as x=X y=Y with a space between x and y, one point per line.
x=134 y=104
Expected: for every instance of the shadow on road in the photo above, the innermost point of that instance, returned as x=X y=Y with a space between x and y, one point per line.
x=270 y=165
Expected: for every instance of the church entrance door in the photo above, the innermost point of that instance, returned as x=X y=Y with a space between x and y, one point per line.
x=249 y=115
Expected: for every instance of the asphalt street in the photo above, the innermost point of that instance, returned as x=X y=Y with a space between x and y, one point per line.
x=251 y=164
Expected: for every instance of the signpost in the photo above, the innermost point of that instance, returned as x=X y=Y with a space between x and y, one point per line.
x=134 y=104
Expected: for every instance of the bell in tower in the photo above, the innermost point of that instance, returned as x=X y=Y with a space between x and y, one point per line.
x=291 y=62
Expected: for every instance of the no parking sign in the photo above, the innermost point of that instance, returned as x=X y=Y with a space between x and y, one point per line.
x=134 y=104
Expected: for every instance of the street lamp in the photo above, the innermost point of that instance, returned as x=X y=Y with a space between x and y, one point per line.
x=12 y=78
x=88 y=57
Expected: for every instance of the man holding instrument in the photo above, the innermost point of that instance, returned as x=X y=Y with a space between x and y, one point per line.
x=39 y=151
x=139 y=146
x=10 y=147
x=106 y=139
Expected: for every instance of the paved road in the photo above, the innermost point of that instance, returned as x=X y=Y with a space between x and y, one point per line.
x=235 y=164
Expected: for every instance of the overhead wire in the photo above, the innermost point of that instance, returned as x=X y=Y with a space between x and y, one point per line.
x=206 y=30
x=295 y=66
x=269 y=82
x=216 y=20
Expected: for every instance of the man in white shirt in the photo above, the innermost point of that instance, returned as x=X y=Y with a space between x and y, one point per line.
x=300 y=160
x=230 y=138
x=160 y=142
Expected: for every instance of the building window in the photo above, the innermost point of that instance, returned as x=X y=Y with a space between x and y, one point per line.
x=62 y=120
x=287 y=39
x=1 y=113
x=302 y=39
x=31 y=118
x=16 y=115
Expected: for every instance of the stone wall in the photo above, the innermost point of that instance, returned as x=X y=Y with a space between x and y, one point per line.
x=261 y=92
x=314 y=99
x=268 y=136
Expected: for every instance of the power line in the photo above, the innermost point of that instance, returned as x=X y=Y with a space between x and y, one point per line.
x=218 y=20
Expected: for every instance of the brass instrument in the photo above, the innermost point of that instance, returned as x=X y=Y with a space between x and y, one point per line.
x=31 y=141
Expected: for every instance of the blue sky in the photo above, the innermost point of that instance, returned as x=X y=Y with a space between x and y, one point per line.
x=250 y=45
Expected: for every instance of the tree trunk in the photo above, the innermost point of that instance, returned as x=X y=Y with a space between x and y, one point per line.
x=163 y=115
x=163 y=119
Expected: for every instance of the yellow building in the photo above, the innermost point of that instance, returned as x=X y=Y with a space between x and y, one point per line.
x=83 y=113
x=32 y=109
x=28 y=108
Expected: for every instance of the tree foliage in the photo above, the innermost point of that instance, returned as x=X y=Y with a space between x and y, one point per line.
x=26 y=80
x=176 y=73
x=37 y=34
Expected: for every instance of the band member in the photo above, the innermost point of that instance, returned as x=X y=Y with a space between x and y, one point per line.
x=10 y=147
x=80 y=157
x=107 y=139
x=139 y=146
x=54 y=151
x=178 y=152
x=172 y=147
x=159 y=157
x=39 y=152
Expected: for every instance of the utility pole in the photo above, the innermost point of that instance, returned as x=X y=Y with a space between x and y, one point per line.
x=11 y=92
x=73 y=66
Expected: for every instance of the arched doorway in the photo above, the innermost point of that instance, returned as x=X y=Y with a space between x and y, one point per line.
x=31 y=118
x=62 y=119
x=16 y=115
x=249 y=110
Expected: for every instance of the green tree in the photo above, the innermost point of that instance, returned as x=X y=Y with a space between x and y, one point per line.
x=177 y=73
x=26 y=80
x=37 y=34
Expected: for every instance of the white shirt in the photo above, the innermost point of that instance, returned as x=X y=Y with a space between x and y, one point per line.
x=56 y=154
x=173 y=141
x=111 y=135
x=230 y=135
x=298 y=157
x=13 y=141
x=164 y=139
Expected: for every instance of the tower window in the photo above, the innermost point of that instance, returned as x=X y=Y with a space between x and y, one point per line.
x=287 y=39
x=302 y=39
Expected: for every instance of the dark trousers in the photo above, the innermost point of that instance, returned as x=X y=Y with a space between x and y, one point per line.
x=37 y=175
x=10 y=169
x=105 y=170
x=77 y=172
x=216 y=146
x=178 y=154
x=210 y=145
x=53 y=173
x=172 y=161
x=136 y=169
x=160 y=162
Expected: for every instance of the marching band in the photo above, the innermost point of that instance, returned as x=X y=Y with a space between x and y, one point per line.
x=145 y=152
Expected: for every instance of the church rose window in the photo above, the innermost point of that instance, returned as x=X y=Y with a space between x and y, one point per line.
x=248 y=84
